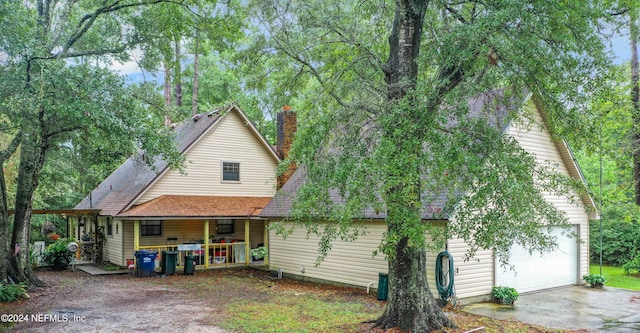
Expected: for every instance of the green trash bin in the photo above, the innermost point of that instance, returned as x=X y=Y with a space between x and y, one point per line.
x=383 y=286
x=189 y=264
x=169 y=260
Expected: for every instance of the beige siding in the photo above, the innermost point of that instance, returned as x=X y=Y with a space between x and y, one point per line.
x=184 y=231
x=536 y=140
x=474 y=277
x=230 y=141
x=112 y=250
x=349 y=263
x=187 y=231
x=256 y=233
x=477 y=276
x=127 y=236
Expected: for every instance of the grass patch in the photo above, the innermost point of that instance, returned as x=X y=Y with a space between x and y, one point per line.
x=616 y=277
x=109 y=267
x=302 y=313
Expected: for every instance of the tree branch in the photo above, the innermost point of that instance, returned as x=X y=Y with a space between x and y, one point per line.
x=7 y=152
x=88 y=19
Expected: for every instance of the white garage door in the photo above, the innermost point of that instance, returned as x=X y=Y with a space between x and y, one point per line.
x=535 y=272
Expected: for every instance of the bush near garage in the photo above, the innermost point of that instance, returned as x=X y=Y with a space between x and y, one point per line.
x=632 y=266
x=620 y=235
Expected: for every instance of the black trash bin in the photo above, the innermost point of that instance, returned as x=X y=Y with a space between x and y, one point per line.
x=145 y=263
x=169 y=260
x=189 y=264
x=383 y=286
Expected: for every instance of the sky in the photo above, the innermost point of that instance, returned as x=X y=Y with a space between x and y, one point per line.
x=621 y=49
x=134 y=74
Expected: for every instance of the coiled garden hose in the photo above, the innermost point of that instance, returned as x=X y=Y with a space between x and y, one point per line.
x=445 y=292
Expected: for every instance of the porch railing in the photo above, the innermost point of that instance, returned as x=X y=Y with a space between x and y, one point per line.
x=220 y=254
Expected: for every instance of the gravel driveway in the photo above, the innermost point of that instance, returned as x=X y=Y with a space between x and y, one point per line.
x=83 y=303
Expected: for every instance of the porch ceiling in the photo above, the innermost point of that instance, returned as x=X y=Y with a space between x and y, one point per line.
x=198 y=206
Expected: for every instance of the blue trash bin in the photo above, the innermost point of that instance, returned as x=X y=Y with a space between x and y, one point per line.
x=145 y=263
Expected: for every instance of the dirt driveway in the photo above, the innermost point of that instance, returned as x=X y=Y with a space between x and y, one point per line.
x=240 y=300
x=77 y=302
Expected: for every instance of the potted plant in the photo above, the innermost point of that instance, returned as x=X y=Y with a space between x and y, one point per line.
x=595 y=280
x=504 y=295
x=258 y=253
x=57 y=255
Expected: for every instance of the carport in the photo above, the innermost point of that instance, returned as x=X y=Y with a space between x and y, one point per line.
x=576 y=307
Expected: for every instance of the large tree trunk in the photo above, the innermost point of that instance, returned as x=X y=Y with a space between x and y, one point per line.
x=32 y=153
x=635 y=100
x=4 y=209
x=177 y=76
x=194 y=96
x=167 y=92
x=4 y=227
x=410 y=306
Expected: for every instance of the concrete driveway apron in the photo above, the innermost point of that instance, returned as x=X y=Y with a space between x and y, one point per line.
x=575 y=307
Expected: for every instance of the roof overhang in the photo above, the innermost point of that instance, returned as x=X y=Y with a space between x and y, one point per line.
x=199 y=207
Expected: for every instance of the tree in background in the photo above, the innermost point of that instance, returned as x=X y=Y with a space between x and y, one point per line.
x=55 y=99
x=175 y=40
x=386 y=125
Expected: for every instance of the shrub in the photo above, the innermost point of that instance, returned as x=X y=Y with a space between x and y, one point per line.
x=620 y=235
x=57 y=255
x=595 y=280
x=633 y=265
x=507 y=295
x=11 y=292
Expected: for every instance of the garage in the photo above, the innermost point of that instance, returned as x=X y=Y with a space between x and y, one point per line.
x=535 y=272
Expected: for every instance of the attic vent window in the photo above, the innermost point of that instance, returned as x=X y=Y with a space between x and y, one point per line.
x=231 y=171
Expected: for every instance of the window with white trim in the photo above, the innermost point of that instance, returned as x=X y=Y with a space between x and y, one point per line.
x=231 y=171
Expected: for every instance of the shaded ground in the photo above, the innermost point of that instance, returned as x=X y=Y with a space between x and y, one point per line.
x=77 y=302
x=218 y=301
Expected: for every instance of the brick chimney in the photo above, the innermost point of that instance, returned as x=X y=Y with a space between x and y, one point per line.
x=286 y=127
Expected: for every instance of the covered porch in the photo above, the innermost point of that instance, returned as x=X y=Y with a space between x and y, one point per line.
x=220 y=242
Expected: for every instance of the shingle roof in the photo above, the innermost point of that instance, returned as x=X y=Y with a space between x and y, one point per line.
x=119 y=190
x=494 y=106
x=198 y=206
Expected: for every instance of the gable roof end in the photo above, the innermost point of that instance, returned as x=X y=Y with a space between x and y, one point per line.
x=122 y=187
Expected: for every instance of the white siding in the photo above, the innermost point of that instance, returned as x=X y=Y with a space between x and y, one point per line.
x=229 y=141
x=350 y=263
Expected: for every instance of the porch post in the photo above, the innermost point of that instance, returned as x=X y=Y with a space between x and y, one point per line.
x=206 y=243
x=247 y=244
x=71 y=228
x=265 y=241
x=136 y=235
